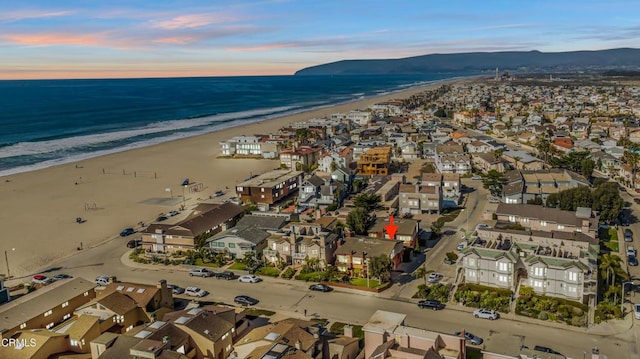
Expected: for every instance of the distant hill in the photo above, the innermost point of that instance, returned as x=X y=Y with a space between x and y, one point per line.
x=474 y=62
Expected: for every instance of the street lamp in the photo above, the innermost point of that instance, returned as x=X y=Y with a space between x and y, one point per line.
x=622 y=299
x=6 y=259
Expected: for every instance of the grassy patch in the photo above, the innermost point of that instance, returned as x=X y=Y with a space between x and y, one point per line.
x=362 y=282
x=338 y=328
x=609 y=238
x=268 y=271
x=311 y=277
x=200 y=263
x=238 y=266
x=259 y=312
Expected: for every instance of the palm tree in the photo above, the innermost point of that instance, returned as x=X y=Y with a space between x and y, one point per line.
x=611 y=268
x=632 y=157
x=421 y=272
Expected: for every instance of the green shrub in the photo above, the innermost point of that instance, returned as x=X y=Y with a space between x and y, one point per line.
x=543 y=316
x=437 y=291
x=288 y=273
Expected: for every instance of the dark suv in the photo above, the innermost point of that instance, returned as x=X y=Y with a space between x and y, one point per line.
x=430 y=304
x=228 y=275
x=628 y=235
x=540 y=348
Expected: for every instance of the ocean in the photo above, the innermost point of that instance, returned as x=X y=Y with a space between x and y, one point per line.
x=48 y=122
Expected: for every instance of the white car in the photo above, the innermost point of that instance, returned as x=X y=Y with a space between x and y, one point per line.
x=434 y=277
x=249 y=278
x=476 y=178
x=482 y=225
x=485 y=313
x=636 y=311
x=195 y=292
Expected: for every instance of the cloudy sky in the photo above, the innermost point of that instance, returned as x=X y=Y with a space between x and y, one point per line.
x=160 y=38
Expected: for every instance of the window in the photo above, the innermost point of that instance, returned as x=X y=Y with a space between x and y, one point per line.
x=314 y=252
x=65 y=304
x=560 y=226
x=503 y=266
x=285 y=248
x=572 y=289
x=86 y=294
x=232 y=245
x=357 y=261
x=261 y=196
x=543 y=223
x=503 y=278
x=274 y=246
x=539 y=271
x=48 y=313
x=471 y=261
x=66 y=316
x=537 y=283
x=573 y=276
x=471 y=273
x=512 y=218
x=23 y=325
x=50 y=325
x=262 y=190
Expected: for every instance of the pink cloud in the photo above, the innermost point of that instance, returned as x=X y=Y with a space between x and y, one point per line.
x=54 y=39
x=192 y=21
x=31 y=14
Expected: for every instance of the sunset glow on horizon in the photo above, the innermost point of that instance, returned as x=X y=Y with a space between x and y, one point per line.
x=71 y=39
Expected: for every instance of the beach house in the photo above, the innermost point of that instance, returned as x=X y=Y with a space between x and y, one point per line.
x=270 y=187
x=375 y=161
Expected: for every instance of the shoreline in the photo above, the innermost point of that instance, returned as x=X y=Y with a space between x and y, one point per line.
x=258 y=119
x=122 y=189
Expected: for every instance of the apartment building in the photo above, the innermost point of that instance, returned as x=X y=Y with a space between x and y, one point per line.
x=415 y=199
x=270 y=187
x=387 y=336
x=407 y=231
x=250 y=146
x=354 y=254
x=206 y=219
x=537 y=218
x=298 y=243
x=451 y=158
x=375 y=161
x=300 y=157
x=46 y=307
x=449 y=185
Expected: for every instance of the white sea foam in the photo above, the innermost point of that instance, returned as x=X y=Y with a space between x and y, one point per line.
x=64 y=144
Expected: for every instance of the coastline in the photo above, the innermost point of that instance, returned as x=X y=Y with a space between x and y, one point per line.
x=122 y=189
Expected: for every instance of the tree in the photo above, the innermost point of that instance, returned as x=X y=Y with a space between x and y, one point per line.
x=537 y=201
x=631 y=157
x=421 y=273
x=494 y=181
x=611 y=268
x=497 y=153
x=607 y=201
x=586 y=167
x=370 y=202
x=380 y=267
x=359 y=220
x=516 y=159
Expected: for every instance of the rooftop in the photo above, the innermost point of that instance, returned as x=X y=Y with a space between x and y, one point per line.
x=270 y=179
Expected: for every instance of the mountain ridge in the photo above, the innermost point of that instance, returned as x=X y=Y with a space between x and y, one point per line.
x=532 y=60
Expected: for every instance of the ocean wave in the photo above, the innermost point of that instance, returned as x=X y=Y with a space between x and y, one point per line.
x=65 y=144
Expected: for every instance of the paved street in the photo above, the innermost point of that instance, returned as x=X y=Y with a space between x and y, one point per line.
x=293 y=297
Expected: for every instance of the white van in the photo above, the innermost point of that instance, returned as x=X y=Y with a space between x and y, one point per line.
x=102 y=280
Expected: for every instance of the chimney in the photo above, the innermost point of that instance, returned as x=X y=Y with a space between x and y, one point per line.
x=298 y=344
x=348 y=331
x=112 y=279
x=162 y=284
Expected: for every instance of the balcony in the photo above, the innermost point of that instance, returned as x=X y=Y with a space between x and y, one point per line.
x=299 y=255
x=270 y=253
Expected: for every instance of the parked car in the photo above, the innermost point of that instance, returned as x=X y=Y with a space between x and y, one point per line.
x=41 y=279
x=628 y=235
x=102 y=280
x=461 y=246
x=631 y=251
x=448 y=260
x=200 y=272
x=540 y=348
x=127 y=232
x=636 y=200
x=485 y=313
x=173 y=213
x=320 y=288
x=245 y=300
x=218 y=194
x=175 y=289
x=195 y=292
x=134 y=243
x=636 y=311
x=61 y=276
x=431 y=304
x=475 y=178
x=482 y=225
x=434 y=277
x=249 y=278
x=632 y=261
x=470 y=337
x=161 y=218
x=228 y=275
x=494 y=200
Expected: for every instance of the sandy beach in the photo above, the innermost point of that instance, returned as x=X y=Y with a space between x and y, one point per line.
x=39 y=208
